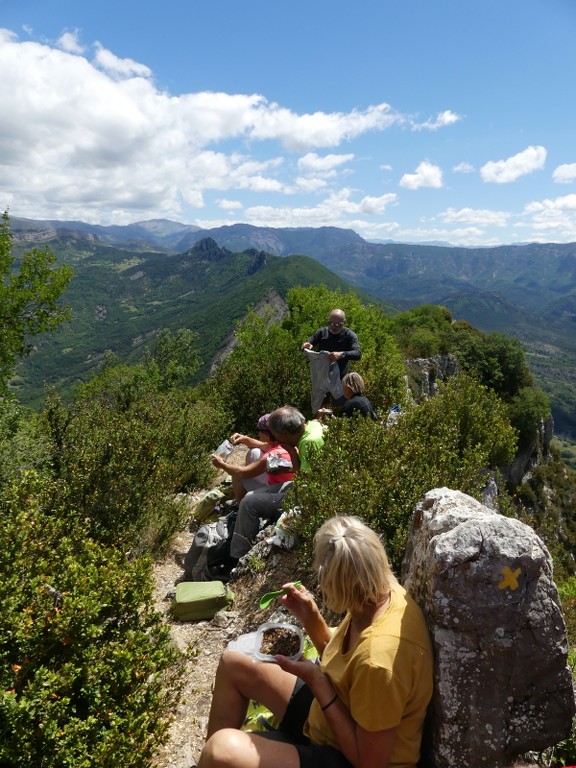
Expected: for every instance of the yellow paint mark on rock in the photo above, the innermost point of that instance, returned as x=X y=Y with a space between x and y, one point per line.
x=510 y=578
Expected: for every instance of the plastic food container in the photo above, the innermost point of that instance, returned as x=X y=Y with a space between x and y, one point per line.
x=284 y=639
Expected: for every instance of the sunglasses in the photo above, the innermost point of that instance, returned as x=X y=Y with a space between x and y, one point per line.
x=336 y=324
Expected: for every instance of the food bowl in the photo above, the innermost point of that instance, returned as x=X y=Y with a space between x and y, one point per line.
x=276 y=639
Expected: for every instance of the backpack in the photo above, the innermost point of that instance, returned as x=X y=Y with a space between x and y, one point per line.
x=208 y=558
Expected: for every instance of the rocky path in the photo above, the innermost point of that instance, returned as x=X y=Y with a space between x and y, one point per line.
x=204 y=641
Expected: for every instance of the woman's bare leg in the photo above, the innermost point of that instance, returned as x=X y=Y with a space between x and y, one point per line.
x=231 y=748
x=238 y=679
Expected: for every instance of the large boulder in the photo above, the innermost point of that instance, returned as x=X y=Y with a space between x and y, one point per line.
x=484 y=581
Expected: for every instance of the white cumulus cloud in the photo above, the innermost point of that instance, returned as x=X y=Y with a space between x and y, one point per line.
x=504 y=171
x=312 y=162
x=478 y=216
x=229 y=205
x=426 y=175
x=95 y=139
x=320 y=129
x=463 y=168
x=117 y=67
x=310 y=184
x=558 y=216
x=68 y=41
x=564 y=174
x=440 y=121
x=328 y=212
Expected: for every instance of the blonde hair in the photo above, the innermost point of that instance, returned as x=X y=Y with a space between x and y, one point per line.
x=352 y=564
x=355 y=382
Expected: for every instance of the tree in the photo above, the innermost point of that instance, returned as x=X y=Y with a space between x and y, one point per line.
x=423 y=331
x=497 y=360
x=28 y=300
x=174 y=356
x=529 y=407
x=264 y=370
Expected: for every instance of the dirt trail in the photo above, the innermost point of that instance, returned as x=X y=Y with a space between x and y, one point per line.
x=208 y=639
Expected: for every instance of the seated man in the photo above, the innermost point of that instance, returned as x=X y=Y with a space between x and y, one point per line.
x=299 y=437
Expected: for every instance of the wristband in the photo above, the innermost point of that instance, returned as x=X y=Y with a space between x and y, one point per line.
x=325 y=707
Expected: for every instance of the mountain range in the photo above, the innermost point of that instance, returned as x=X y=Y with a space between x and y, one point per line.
x=131 y=279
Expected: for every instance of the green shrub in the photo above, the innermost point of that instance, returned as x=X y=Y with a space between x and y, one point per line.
x=423 y=331
x=22 y=444
x=88 y=671
x=382 y=365
x=123 y=447
x=564 y=753
x=545 y=501
x=266 y=368
x=174 y=357
x=380 y=473
x=496 y=360
x=567 y=592
x=264 y=371
x=528 y=408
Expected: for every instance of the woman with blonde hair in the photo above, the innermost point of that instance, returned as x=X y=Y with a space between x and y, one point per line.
x=355 y=401
x=364 y=703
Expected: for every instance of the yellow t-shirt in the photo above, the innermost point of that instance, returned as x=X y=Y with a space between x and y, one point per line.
x=385 y=681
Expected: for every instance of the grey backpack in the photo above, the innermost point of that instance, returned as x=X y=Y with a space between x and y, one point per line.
x=196 y=559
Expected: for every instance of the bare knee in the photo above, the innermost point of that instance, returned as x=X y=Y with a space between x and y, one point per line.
x=223 y=749
x=235 y=667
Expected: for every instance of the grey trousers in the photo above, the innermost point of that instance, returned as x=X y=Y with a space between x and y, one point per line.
x=265 y=504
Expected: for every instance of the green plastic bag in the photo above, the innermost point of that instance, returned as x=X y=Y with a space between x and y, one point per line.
x=207 y=503
x=195 y=600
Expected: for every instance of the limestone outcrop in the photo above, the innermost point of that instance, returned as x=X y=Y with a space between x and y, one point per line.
x=485 y=583
x=425 y=373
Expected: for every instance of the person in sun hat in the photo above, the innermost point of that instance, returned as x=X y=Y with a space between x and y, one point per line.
x=299 y=439
x=257 y=474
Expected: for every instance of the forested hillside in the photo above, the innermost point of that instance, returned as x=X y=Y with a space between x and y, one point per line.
x=527 y=291
x=120 y=299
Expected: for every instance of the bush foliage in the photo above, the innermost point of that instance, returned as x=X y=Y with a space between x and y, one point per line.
x=87 y=667
x=266 y=368
x=380 y=473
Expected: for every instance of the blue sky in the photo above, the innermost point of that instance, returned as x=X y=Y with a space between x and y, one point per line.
x=408 y=120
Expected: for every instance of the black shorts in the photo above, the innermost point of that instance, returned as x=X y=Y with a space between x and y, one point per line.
x=291 y=729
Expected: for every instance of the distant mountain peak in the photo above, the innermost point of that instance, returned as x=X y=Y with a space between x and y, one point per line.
x=208 y=248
